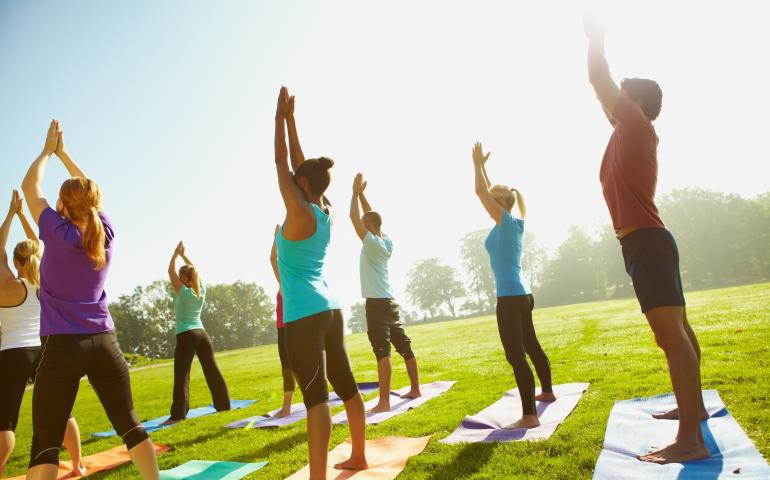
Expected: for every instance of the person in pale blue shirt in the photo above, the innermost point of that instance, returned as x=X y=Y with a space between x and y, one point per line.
x=383 y=322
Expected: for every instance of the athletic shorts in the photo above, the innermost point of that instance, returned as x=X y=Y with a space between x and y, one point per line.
x=652 y=262
x=17 y=370
x=315 y=346
x=384 y=326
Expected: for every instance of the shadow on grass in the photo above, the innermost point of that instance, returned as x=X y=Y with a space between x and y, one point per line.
x=468 y=461
x=262 y=453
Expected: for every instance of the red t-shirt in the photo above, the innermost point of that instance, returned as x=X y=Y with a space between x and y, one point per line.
x=629 y=172
x=279 y=311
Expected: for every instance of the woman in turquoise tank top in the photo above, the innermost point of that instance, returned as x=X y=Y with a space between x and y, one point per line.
x=514 y=298
x=315 y=330
x=192 y=339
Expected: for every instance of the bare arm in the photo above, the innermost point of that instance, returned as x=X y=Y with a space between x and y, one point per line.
x=72 y=167
x=28 y=230
x=173 y=277
x=521 y=203
x=274 y=258
x=6 y=274
x=486 y=177
x=355 y=213
x=295 y=203
x=295 y=149
x=364 y=202
x=606 y=89
x=33 y=192
x=482 y=190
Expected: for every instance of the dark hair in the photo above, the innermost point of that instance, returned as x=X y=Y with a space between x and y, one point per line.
x=375 y=218
x=316 y=171
x=648 y=90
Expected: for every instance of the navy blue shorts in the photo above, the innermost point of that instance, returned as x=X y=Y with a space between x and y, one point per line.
x=652 y=262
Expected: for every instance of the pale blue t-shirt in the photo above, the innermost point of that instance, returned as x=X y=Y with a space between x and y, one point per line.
x=504 y=245
x=375 y=253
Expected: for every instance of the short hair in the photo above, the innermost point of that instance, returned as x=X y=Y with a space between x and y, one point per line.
x=316 y=171
x=648 y=91
x=374 y=218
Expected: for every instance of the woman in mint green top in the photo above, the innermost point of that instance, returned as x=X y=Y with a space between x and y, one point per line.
x=314 y=341
x=192 y=339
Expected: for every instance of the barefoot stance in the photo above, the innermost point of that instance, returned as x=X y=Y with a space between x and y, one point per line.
x=674 y=415
x=546 y=397
x=352 y=464
x=170 y=422
x=79 y=471
x=529 y=421
x=677 y=453
x=412 y=394
x=379 y=408
x=282 y=414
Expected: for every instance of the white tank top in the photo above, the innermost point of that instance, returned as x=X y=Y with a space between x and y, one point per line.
x=20 y=325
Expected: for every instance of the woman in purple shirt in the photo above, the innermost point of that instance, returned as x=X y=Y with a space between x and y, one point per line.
x=75 y=325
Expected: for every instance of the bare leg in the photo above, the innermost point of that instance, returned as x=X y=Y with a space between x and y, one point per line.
x=7 y=442
x=143 y=456
x=414 y=379
x=674 y=414
x=384 y=372
x=357 y=421
x=668 y=325
x=72 y=444
x=46 y=471
x=319 y=431
x=286 y=408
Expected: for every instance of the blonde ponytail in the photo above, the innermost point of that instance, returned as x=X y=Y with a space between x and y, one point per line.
x=82 y=199
x=93 y=239
x=28 y=254
x=189 y=272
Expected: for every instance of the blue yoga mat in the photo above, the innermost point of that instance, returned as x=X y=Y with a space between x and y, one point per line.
x=201 y=470
x=631 y=431
x=155 y=424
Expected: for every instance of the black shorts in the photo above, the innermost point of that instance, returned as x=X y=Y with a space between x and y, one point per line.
x=384 y=326
x=315 y=346
x=652 y=262
x=17 y=369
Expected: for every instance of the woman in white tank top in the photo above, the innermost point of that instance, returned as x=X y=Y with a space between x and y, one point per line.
x=20 y=328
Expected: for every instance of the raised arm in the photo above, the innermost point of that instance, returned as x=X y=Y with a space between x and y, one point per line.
x=521 y=203
x=31 y=185
x=6 y=274
x=28 y=230
x=482 y=184
x=274 y=258
x=295 y=149
x=364 y=202
x=606 y=89
x=355 y=214
x=61 y=152
x=293 y=199
x=173 y=277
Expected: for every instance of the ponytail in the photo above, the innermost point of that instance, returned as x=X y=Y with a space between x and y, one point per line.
x=28 y=254
x=190 y=273
x=82 y=200
x=93 y=238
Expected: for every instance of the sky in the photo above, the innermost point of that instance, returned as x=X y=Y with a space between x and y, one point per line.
x=169 y=106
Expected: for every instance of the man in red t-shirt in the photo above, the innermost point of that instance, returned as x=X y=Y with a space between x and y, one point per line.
x=628 y=175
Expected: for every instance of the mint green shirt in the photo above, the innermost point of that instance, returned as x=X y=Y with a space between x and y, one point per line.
x=375 y=254
x=187 y=308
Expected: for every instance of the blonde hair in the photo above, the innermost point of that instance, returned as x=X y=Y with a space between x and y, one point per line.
x=191 y=273
x=505 y=196
x=82 y=199
x=28 y=253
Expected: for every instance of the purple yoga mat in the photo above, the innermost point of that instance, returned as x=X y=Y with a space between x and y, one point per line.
x=487 y=425
x=398 y=405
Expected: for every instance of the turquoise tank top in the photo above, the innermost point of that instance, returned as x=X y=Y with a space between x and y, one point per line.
x=188 y=308
x=504 y=245
x=300 y=263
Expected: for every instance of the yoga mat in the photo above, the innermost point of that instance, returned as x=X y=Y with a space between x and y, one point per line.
x=202 y=470
x=98 y=462
x=298 y=411
x=155 y=424
x=398 y=405
x=487 y=425
x=387 y=457
x=631 y=430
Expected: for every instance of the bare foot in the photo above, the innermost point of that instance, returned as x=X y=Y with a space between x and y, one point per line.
x=170 y=421
x=527 y=421
x=380 y=407
x=546 y=397
x=677 y=452
x=79 y=471
x=352 y=464
x=283 y=413
x=674 y=415
x=413 y=393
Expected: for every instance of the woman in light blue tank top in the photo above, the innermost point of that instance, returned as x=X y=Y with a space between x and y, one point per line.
x=514 y=298
x=314 y=338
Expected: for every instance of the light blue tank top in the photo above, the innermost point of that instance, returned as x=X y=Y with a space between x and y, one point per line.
x=300 y=263
x=504 y=245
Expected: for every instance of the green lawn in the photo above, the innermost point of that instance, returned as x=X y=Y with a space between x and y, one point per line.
x=606 y=343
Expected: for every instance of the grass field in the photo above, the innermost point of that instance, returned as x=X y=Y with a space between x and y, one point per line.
x=606 y=343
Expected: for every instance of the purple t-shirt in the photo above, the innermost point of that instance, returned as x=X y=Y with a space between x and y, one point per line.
x=72 y=296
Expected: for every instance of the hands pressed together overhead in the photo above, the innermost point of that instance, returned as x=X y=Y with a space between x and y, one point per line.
x=359 y=185
x=285 y=108
x=54 y=140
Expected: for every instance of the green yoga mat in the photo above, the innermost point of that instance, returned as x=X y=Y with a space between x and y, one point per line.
x=202 y=470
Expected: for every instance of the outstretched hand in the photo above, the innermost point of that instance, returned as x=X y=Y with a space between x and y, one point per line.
x=283 y=107
x=51 y=138
x=594 y=29
x=478 y=155
x=359 y=185
x=16 y=204
x=60 y=150
x=179 y=249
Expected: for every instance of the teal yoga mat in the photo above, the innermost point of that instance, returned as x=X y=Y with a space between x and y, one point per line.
x=202 y=470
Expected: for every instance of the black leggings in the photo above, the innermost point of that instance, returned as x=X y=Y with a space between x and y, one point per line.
x=514 y=321
x=63 y=362
x=188 y=344
x=17 y=368
x=288 y=377
x=316 y=347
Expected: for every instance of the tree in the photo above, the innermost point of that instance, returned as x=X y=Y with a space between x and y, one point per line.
x=357 y=319
x=534 y=258
x=432 y=284
x=571 y=276
x=478 y=269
